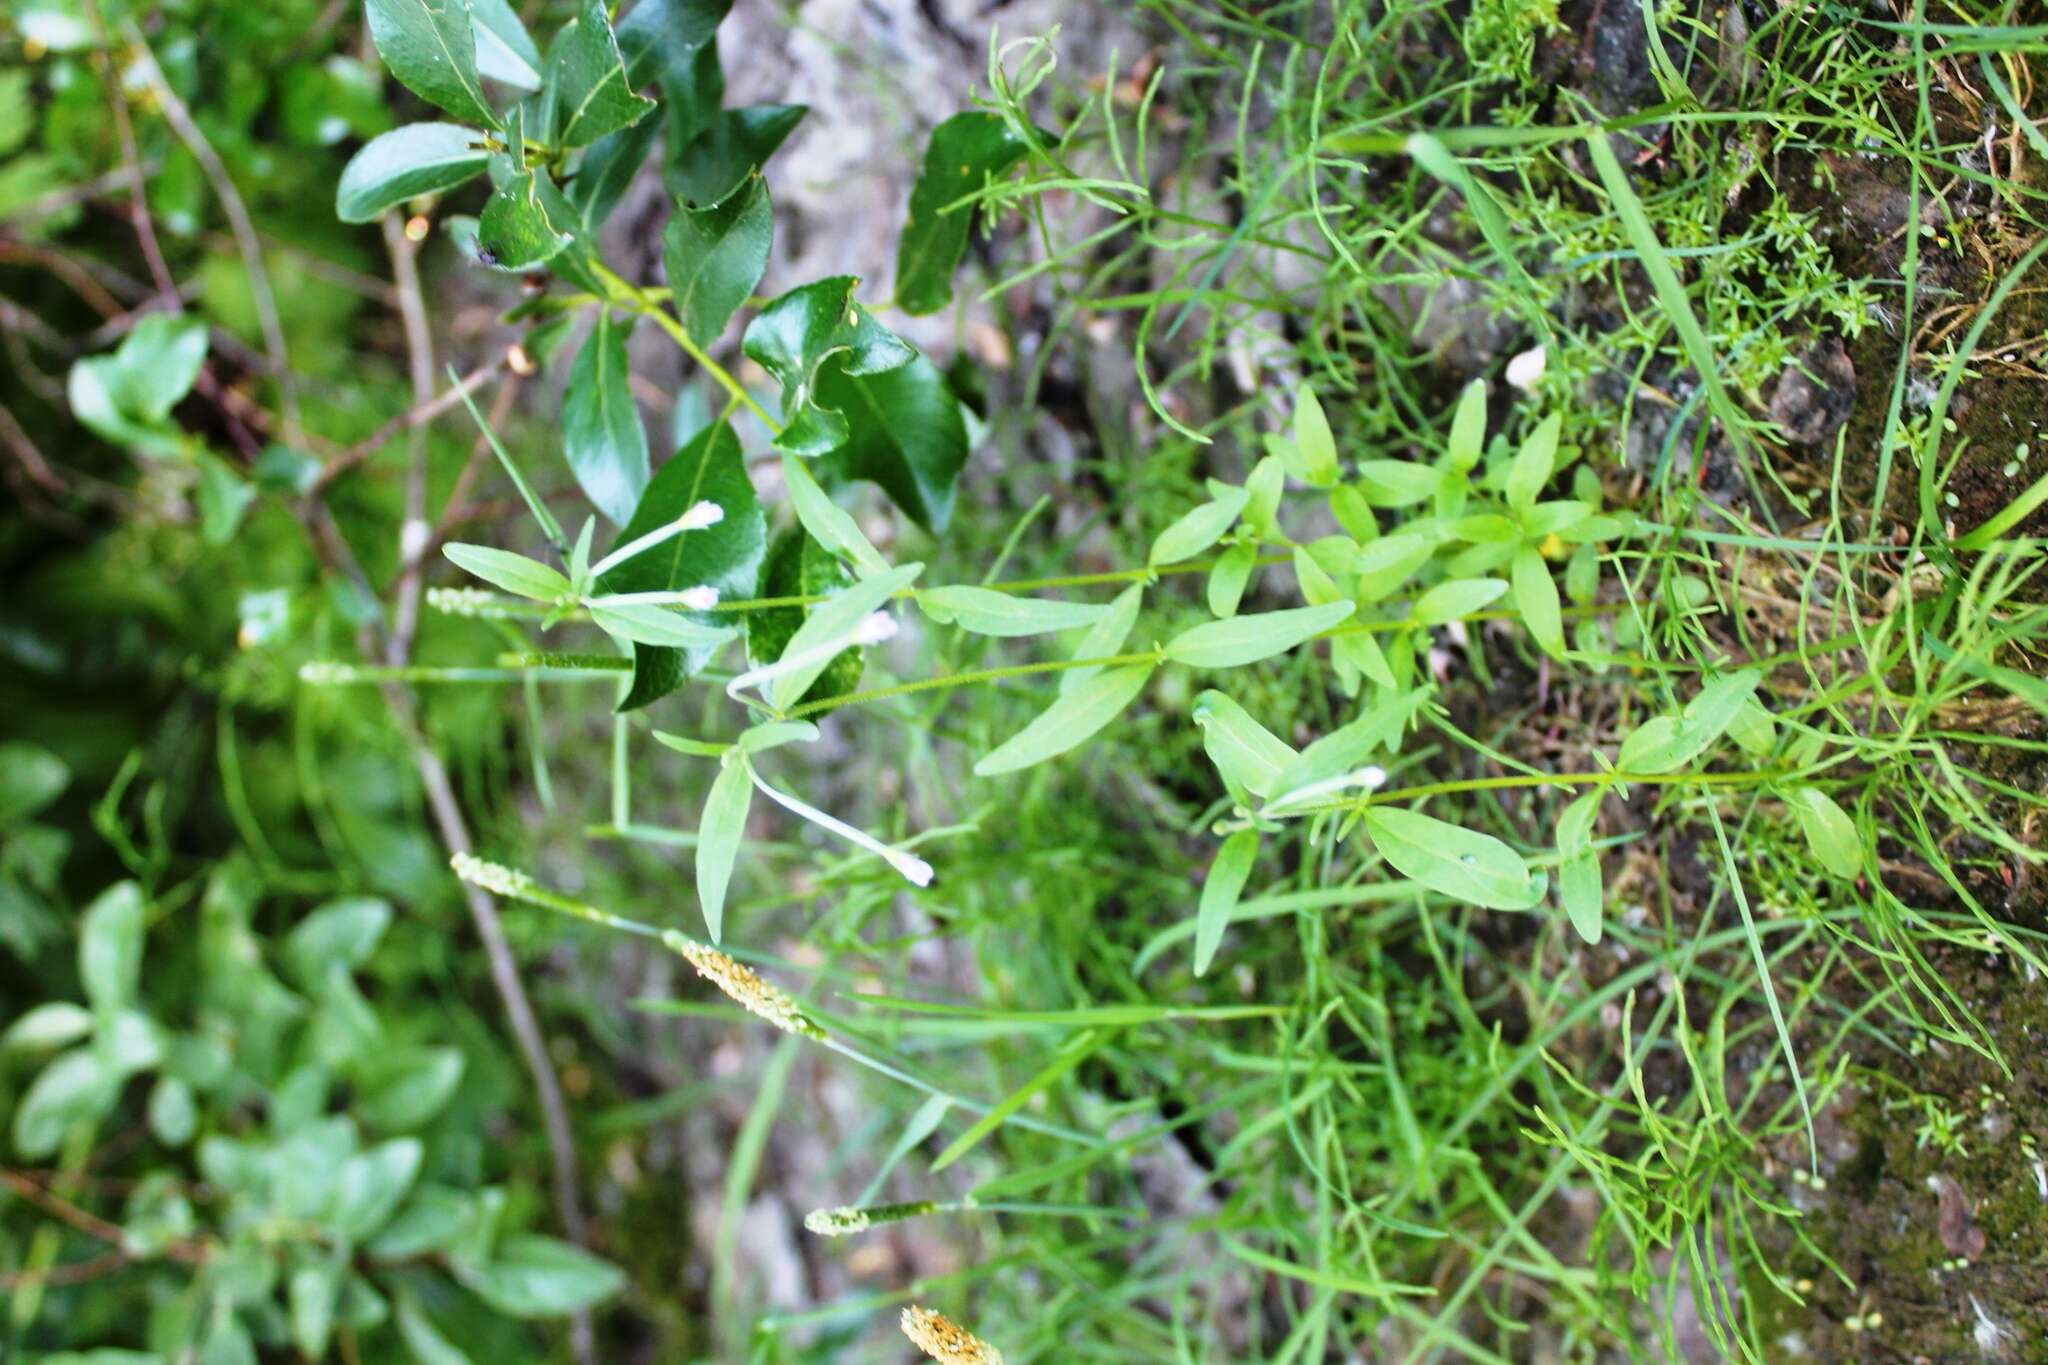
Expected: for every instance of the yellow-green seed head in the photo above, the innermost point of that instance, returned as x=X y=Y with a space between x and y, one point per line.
x=945 y=1341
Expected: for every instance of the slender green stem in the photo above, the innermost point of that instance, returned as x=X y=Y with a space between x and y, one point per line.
x=644 y=303
x=979 y=675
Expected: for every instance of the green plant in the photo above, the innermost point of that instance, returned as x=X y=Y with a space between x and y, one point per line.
x=270 y=1217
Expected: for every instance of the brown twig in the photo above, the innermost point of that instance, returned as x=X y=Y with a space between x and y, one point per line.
x=131 y=161
x=91 y=1224
x=418 y=415
x=441 y=800
x=216 y=171
x=26 y=452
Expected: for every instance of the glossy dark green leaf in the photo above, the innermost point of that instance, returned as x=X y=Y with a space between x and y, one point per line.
x=586 y=77
x=729 y=150
x=799 y=566
x=904 y=430
x=659 y=38
x=515 y=230
x=794 y=336
x=430 y=45
x=965 y=152
x=726 y=556
x=601 y=430
x=608 y=167
x=716 y=256
x=420 y=158
x=504 y=50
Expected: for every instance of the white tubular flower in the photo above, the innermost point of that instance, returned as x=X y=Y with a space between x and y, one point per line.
x=743 y=985
x=939 y=1337
x=1370 y=777
x=495 y=878
x=1525 y=371
x=878 y=627
x=871 y=631
x=912 y=867
x=699 y=516
x=704 y=597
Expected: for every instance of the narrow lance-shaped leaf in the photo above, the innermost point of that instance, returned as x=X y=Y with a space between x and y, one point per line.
x=1248 y=639
x=1070 y=721
x=1227 y=876
x=965 y=152
x=601 y=431
x=1228 y=578
x=1314 y=448
x=1578 y=867
x=719 y=835
x=715 y=257
x=420 y=158
x=829 y=628
x=1198 y=529
x=1468 y=428
x=1246 y=753
x=1533 y=463
x=1106 y=637
x=1460 y=863
x=516 y=574
x=987 y=611
x=829 y=524
x=1536 y=598
x=1458 y=598
x=430 y=45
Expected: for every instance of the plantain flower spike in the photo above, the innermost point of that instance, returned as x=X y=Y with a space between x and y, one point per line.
x=940 y=1338
x=744 y=985
x=495 y=878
